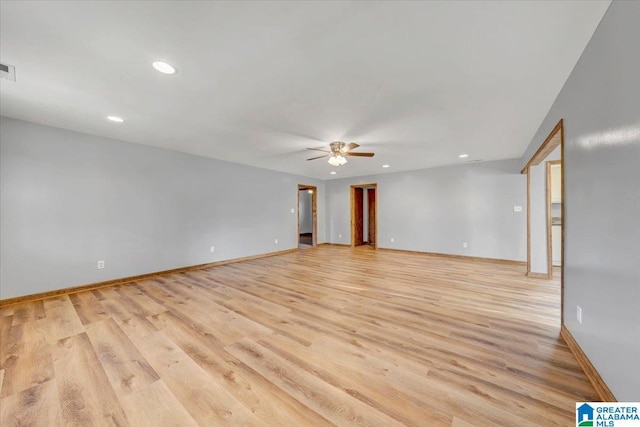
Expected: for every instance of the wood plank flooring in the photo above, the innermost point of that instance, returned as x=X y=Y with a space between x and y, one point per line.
x=323 y=336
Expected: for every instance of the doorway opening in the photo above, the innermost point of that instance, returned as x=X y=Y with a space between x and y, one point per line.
x=554 y=215
x=364 y=217
x=546 y=210
x=307 y=216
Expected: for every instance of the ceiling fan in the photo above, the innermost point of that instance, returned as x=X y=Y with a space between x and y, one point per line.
x=338 y=152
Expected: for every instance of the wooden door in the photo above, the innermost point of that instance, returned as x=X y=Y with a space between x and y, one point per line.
x=358 y=219
x=371 y=199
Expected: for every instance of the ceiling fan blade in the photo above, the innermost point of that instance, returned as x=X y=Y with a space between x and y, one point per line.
x=318 y=149
x=319 y=157
x=350 y=146
x=360 y=154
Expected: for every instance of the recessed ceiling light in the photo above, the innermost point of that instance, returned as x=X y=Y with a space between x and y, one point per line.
x=333 y=172
x=385 y=166
x=115 y=119
x=165 y=68
x=463 y=156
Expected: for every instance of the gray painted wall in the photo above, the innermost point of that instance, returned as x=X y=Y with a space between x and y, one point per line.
x=305 y=212
x=600 y=104
x=538 y=213
x=69 y=199
x=438 y=209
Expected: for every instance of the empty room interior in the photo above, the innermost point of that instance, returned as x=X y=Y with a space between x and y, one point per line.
x=318 y=213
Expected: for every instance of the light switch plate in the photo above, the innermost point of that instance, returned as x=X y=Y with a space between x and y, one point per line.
x=517 y=208
x=8 y=72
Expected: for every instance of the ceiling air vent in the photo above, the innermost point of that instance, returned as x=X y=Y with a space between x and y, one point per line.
x=7 y=72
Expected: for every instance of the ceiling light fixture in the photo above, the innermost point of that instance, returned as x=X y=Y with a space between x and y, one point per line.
x=115 y=119
x=339 y=151
x=163 y=67
x=463 y=156
x=337 y=160
x=385 y=166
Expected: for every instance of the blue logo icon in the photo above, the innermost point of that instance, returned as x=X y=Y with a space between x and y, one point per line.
x=585 y=415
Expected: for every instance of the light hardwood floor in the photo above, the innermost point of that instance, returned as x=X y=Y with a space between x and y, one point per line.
x=323 y=336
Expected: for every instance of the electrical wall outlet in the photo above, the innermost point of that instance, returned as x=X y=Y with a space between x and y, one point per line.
x=339 y=236
x=392 y=240
x=276 y=241
x=579 y=314
x=213 y=248
x=100 y=264
x=465 y=245
x=517 y=208
x=293 y=210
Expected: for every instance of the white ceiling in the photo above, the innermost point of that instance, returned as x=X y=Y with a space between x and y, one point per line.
x=417 y=83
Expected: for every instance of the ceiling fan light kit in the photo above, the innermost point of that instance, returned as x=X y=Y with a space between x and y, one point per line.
x=338 y=153
x=337 y=160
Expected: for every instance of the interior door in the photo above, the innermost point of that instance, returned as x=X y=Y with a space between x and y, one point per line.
x=358 y=216
x=371 y=199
